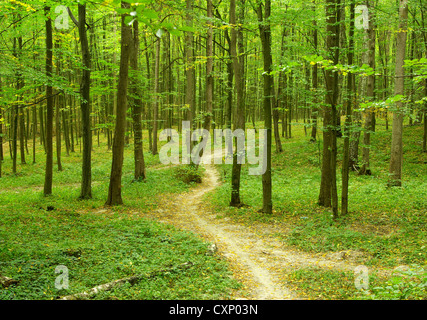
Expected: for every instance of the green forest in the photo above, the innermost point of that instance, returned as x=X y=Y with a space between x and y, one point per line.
x=213 y=150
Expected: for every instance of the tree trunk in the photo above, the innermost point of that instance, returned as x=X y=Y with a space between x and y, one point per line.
x=239 y=120
x=139 y=173
x=156 y=95
x=49 y=107
x=190 y=75
x=368 y=93
x=314 y=80
x=396 y=158
x=328 y=188
x=348 y=116
x=85 y=106
x=209 y=69
x=265 y=35
x=115 y=186
x=58 y=104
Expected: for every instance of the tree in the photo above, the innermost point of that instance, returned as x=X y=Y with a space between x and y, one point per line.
x=190 y=75
x=85 y=106
x=265 y=35
x=156 y=94
x=368 y=84
x=348 y=116
x=47 y=190
x=238 y=70
x=139 y=172
x=314 y=80
x=209 y=68
x=328 y=195
x=115 y=186
x=396 y=157
x=328 y=188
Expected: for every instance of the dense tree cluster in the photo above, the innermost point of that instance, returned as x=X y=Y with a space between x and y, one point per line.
x=75 y=70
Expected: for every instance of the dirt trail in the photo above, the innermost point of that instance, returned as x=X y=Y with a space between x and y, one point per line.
x=257 y=259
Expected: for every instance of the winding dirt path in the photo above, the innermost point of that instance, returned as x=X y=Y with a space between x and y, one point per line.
x=257 y=259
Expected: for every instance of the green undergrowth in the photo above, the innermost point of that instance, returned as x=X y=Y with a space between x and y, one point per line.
x=316 y=283
x=387 y=226
x=100 y=244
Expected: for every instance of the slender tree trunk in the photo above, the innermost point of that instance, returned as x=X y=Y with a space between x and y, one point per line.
x=368 y=93
x=314 y=79
x=57 y=114
x=190 y=73
x=115 y=187
x=336 y=128
x=229 y=105
x=239 y=120
x=49 y=107
x=328 y=188
x=209 y=69
x=265 y=35
x=85 y=106
x=71 y=124
x=396 y=158
x=156 y=96
x=139 y=173
x=14 y=114
x=34 y=131
x=348 y=116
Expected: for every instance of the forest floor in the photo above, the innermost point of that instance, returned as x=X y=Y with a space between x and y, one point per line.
x=257 y=259
x=298 y=252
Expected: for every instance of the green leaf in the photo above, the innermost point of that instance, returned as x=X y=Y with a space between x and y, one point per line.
x=187 y=29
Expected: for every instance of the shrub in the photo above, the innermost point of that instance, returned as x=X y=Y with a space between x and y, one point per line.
x=188 y=174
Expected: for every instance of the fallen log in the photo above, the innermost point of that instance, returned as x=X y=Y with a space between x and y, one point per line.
x=116 y=283
x=6 y=281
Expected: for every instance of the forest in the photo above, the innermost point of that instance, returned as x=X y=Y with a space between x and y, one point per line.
x=105 y=105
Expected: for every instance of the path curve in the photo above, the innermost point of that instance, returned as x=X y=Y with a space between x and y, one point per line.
x=256 y=258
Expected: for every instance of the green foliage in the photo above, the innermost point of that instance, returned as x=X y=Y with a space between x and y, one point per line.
x=406 y=284
x=97 y=244
x=321 y=283
x=386 y=226
x=188 y=173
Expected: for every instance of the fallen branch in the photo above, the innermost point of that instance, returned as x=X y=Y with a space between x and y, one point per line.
x=116 y=283
x=6 y=281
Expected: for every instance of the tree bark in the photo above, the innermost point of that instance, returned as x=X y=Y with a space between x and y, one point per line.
x=85 y=106
x=368 y=92
x=396 y=157
x=328 y=188
x=58 y=104
x=265 y=35
x=47 y=190
x=314 y=79
x=348 y=116
x=209 y=69
x=156 y=95
x=139 y=173
x=115 y=186
x=239 y=120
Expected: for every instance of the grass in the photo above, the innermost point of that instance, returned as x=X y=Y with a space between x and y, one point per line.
x=98 y=244
x=388 y=225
